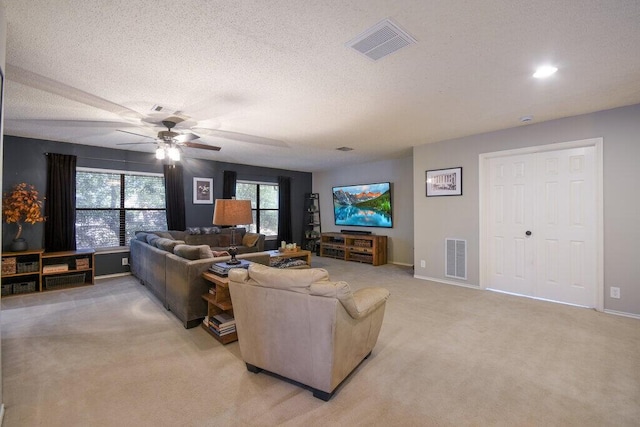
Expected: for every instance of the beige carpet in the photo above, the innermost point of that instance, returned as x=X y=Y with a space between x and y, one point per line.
x=110 y=355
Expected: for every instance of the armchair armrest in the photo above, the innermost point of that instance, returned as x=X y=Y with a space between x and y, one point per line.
x=367 y=300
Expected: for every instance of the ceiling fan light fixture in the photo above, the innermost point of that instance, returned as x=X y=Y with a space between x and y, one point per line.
x=174 y=154
x=160 y=154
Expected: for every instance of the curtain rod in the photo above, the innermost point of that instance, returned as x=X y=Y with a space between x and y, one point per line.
x=109 y=160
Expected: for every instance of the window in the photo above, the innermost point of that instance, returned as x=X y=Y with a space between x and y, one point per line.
x=264 y=204
x=112 y=205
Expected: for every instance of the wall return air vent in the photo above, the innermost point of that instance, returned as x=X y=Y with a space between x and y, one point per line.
x=381 y=40
x=456 y=258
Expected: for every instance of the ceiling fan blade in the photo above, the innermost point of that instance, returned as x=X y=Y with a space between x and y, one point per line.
x=201 y=146
x=136 y=134
x=242 y=137
x=186 y=137
x=71 y=123
x=135 y=143
x=37 y=81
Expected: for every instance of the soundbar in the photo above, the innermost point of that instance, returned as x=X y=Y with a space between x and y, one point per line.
x=355 y=232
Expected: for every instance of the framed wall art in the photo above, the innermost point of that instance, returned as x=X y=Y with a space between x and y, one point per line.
x=444 y=182
x=203 y=191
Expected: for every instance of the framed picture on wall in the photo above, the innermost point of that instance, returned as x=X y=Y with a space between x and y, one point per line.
x=444 y=182
x=203 y=191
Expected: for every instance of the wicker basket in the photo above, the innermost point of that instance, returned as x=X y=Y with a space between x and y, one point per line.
x=9 y=265
x=362 y=243
x=6 y=289
x=28 y=267
x=24 y=287
x=56 y=282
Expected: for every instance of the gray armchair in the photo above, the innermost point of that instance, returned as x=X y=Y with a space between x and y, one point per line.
x=302 y=326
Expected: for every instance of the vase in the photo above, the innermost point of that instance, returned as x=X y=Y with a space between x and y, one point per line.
x=19 y=245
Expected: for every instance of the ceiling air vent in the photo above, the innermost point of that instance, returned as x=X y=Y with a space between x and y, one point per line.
x=344 y=149
x=381 y=40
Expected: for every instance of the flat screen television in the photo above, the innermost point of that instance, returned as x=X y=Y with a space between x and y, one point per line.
x=363 y=205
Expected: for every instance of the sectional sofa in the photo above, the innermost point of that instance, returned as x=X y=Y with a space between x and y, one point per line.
x=171 y=268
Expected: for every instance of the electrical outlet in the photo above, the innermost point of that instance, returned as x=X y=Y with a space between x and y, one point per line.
x=423 y=263
x=615 y=292
x=125 y=261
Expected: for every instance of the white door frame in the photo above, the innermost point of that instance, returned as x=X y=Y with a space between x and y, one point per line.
x=599 y=221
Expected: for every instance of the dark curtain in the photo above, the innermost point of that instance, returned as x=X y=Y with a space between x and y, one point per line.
x=229 y=184
x=284 y=209
x=60 y=203
x=174 y=194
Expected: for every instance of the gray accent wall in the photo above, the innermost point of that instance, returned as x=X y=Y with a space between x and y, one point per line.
x=439 y=217
x=24 y=160
x=399 y=173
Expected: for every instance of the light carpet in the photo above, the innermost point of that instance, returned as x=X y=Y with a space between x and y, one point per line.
x=111 y=355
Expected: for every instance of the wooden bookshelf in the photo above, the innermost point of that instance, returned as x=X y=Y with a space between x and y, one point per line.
x=32 y=270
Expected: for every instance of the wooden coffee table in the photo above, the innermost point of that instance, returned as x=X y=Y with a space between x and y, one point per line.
x=276 y=255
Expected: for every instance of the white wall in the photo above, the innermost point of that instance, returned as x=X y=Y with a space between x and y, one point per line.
x=396 y=171
x=441 y=217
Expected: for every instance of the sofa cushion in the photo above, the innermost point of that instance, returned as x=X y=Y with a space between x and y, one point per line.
x=250 y=239
x=224 y=240
x=167 y=244
x=193 y=252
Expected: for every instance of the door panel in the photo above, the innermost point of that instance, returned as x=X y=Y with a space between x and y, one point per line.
x=551 y=194
x=511 y=251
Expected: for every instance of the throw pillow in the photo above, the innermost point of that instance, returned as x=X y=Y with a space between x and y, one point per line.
x=164 y=234
x=220 y=253
x=167 y=244
x=250 y=239
x=210 y=230
x=142 y=236
x=191 y=252
x=193 y=230
x=151 y=239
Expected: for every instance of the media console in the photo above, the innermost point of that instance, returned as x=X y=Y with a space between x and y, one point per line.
x=367 y=248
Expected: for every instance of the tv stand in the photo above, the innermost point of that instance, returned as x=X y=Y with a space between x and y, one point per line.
x=367 y=248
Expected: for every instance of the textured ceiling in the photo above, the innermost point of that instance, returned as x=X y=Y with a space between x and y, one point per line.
x=79 y=70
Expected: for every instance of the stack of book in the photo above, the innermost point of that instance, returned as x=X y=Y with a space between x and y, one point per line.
x=222 y=268
x=221 y=324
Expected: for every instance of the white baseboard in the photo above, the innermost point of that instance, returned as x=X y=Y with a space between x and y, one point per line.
x=404 y=264
x=622 y=313
x=111 y=276
x=446 y=282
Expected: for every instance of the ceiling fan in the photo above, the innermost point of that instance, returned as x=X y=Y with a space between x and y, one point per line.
x=170 y=142
x=131 y=117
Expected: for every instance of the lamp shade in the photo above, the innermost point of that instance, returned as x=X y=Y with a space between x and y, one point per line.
x=232 y=212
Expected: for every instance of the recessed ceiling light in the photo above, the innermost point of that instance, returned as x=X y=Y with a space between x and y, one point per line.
x=544 y=71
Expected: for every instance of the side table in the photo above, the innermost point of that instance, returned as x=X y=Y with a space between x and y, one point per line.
x=218 y=302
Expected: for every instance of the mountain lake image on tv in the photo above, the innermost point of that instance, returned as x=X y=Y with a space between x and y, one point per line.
x=366 y=205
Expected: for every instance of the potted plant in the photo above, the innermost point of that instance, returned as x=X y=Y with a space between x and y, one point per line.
x=20 y=205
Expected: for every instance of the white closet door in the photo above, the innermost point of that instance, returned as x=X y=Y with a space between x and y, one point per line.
x=541 y=225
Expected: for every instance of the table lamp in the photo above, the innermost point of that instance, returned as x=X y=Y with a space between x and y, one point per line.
x=232 y=212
